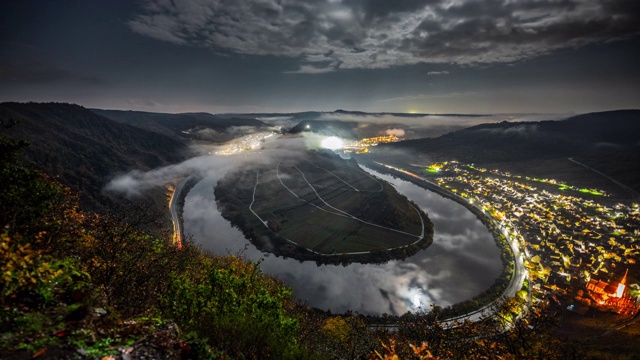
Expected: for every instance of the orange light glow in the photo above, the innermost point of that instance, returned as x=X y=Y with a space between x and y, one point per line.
x=622 y=285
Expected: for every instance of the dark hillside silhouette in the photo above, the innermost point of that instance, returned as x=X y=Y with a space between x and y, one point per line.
x=85 y=149
x=176 y=125
x=607 y=141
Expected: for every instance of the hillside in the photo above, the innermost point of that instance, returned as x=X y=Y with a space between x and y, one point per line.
x=320 y=207
x=85 y=149
x=577 y=136
x=188 y=125
x=607 y=141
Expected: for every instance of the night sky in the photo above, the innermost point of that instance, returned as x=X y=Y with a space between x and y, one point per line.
x=430 y=56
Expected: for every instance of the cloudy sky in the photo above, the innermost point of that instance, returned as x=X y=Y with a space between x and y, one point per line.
x=431 y=56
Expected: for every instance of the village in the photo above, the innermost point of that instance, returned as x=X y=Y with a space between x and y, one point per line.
x=578 y=244
x=362 y=146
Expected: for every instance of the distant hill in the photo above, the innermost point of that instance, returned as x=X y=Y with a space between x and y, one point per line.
x=577 y=136
x=85 y=149
x=312 y=115
x=297 y=116
x=187 y=125
x=397 y=114
x=341 y=129
x=608 y=141
x=369 y=124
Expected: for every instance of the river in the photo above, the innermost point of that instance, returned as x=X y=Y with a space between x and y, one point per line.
x=462 y=262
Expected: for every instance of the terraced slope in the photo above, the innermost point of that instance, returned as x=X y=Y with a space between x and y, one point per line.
x=321 y=205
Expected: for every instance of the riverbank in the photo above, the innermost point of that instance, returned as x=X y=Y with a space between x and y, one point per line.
x=176 y=208
x=447 y=273
x=512 y=277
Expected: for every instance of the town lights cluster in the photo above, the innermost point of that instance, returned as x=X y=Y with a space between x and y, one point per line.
x=362 y=146
x=569 y=237
x=251 y=142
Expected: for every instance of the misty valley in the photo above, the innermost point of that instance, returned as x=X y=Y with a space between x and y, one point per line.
x=356 y=218
x=394 y=287
x=320 y=179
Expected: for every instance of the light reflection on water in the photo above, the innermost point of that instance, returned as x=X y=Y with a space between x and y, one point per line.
x=462 y=262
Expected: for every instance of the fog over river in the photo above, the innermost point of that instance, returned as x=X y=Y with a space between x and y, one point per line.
x=462 y=262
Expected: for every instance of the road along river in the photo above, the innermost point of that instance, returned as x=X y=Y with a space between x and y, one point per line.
x=462 y=262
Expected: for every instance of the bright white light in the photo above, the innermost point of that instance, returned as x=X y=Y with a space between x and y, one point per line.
x=416 y=301
x=332 y=143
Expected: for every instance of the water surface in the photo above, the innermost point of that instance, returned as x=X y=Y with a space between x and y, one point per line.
x=462 y=262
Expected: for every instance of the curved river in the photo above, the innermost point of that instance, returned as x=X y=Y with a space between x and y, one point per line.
x=462 y=262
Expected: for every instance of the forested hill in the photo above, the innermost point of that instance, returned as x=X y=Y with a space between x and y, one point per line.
x=608 y=141
x=506 y=141
x=85 y=149
x=187 y=125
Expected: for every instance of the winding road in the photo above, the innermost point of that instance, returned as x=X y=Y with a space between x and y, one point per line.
x=630 y=190
x=519 y=274
x=173 y=208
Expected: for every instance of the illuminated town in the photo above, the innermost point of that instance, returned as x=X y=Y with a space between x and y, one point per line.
x=247 y=143
x=577 y=242
x=362 y=146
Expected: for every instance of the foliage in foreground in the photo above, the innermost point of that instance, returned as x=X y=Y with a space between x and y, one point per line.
x=91 y=285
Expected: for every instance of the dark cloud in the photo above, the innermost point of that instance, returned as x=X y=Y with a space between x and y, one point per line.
x=335 y=34
x=381 y=9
